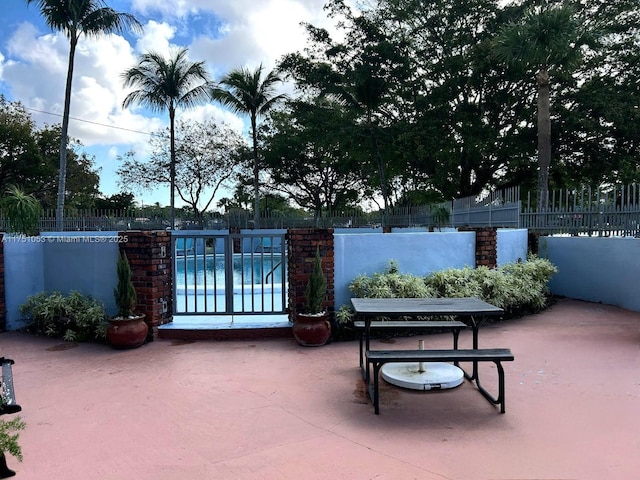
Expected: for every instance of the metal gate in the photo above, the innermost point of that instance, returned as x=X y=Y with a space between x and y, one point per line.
x=226 y=274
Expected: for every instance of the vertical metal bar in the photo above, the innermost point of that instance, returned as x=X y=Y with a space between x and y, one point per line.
x=204 y=271
x=195 y=275
x=185 y=282
x=215 y=271
x=228 y=274
x=174 y=286
x=273 y=290
x=253 y=281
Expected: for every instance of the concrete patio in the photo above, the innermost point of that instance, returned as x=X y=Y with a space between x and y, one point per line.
x=269 y=409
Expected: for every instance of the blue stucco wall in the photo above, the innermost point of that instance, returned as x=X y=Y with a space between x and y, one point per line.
x=595 y=269
x=82 y=262
x=63 y=262
x=511 y=245
x=23 y=273
x=415 y=253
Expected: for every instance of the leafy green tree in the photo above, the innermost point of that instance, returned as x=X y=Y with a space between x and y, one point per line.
x=303 y=151
x=453 y=117
x=76 y=18
x=545 y=38
x=169 y=84
x=118 y=201
x=249 y=92
x=598 y=141
x=207 y=156
x=360 y=74
x=20 y=158
x=29 y=157
x=455 y=134
x=82 y=177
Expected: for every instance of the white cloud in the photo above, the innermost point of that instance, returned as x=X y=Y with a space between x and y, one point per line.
x=156 y=37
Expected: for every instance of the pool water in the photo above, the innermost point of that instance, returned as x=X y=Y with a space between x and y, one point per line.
x=210 y=270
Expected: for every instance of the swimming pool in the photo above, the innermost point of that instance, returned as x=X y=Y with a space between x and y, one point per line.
x=247 y=270
x=256 y=284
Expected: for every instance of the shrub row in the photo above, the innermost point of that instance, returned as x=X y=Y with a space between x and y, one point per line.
x=517 y=288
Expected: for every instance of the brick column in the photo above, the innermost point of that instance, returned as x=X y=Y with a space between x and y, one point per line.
x=486 y=245
x=149 y=254
x=301 y=250
x=3 y=304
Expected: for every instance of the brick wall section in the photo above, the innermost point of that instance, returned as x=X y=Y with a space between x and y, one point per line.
x=3 y=304
x=486 y=245
x=301 y=244
x=149 y=254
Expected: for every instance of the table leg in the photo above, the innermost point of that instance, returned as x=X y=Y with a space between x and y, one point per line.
x=474 y=328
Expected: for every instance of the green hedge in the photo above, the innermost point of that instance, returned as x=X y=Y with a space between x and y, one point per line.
x=517 y=288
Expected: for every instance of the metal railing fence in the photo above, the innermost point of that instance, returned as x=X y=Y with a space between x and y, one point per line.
x=585 y=211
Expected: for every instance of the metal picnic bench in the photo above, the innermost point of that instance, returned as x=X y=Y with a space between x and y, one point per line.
x=473 y=310
x=8 y=398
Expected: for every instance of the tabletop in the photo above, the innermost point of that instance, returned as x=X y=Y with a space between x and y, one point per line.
x=423 y=306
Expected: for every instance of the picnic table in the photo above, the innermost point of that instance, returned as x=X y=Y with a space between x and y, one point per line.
x=471 y=312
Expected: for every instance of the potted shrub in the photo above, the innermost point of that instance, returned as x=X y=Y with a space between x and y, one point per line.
x=127 y=329
x=311 y=327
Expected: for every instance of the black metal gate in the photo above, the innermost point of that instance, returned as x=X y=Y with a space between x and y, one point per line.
x=226 y=274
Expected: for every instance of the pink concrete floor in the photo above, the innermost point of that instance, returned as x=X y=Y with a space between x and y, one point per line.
x=269 y=409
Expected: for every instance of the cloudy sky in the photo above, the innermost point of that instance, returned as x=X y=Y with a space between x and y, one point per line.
x=225 y=34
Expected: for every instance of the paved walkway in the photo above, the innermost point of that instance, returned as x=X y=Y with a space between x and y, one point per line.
x=269 y=409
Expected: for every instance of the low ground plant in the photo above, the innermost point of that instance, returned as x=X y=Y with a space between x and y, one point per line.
x=9 y=435
x=518 y=288
x=73 y=317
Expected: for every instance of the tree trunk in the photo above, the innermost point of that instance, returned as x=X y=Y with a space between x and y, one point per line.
x=256 y=179
x=62 y=174
x=544 y=137
x=381 y=172
x=172 y=164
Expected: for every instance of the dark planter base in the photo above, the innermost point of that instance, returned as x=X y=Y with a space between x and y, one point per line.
x=312 y=330
x=130 y=333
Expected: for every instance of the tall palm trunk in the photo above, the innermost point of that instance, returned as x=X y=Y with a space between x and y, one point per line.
x=172 y=164
x=256 y=179
x=62 y=175
x=383 y=178
x=544 y=137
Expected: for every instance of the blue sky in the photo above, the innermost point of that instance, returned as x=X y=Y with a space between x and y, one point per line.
x=224 y=34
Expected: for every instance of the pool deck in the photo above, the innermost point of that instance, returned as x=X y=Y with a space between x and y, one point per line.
x=270 y=409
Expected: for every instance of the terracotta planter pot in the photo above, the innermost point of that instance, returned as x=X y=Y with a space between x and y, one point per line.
x=312 y=330
x=127 y=333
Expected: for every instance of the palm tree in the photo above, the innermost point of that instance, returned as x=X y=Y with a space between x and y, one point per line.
x=544 y=39
x=75 y=18
x=245 y=91
x=167 y=84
